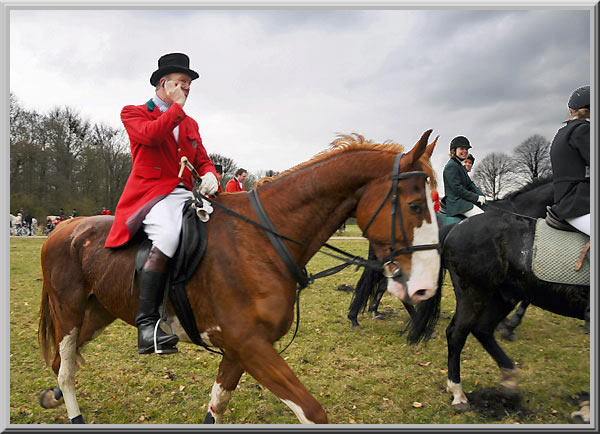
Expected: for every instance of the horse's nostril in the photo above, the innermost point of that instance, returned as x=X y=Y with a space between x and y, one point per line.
x=421 y=292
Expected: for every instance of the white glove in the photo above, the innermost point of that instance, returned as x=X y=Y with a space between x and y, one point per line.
x=481 y=200
x=209 y=184
x=205 y=211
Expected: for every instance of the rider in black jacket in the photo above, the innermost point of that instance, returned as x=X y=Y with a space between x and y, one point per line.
x=570 y=156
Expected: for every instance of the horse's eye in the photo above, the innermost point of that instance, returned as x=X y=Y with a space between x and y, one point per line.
x=416 y=207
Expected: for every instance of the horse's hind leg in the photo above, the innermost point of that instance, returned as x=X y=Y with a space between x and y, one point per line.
x=484 y=332
x=506 y=327
x=226 y=382
x=95 y=320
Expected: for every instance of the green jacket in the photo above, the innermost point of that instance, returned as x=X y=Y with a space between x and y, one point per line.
x=461 y=192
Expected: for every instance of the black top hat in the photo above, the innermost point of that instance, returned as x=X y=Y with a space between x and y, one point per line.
x=219 y=168
x=172 y=62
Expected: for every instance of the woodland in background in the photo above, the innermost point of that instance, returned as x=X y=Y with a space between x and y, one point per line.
x=61 y=160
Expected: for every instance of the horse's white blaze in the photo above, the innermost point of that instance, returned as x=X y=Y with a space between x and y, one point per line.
x=425 y=264
x=457 y=392
x=66 y=373
x=297 y=411
x=219 y=398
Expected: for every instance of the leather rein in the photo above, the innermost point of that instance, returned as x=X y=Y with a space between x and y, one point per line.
x=387 y=265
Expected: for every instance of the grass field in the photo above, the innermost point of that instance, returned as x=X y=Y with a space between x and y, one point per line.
x=371 y=376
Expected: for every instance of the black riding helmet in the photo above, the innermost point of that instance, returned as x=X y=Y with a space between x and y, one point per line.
x=460 y=142
x=471 y=158
x=580 y=98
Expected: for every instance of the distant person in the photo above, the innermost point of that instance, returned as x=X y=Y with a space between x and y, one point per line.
x=74 y=212
x=469 y=161
x=237 y=183
x=61 y=214
x=570 y=157
x=463 y=198
x=219 y=169
x=160 y=133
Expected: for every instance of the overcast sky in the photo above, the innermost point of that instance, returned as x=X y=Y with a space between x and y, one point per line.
x=277 y=86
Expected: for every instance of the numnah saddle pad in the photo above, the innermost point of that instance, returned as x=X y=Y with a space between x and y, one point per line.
x=555 y=254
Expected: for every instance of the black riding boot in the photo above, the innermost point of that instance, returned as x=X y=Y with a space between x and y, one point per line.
x=151 y=294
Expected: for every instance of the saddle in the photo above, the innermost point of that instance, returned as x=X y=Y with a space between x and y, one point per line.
x=560 y=256
x=192 y=246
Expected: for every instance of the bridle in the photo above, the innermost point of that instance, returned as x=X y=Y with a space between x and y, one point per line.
x=390 y=267
x=387 y=265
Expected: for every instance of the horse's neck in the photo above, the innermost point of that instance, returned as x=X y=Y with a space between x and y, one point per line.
x=531 y=203
x=309 y=205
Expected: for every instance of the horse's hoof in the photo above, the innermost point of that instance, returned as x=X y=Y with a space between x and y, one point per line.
x=356 y=327
x=461 y=406
x=509 y=392
x=77 y=420
x=48 y=400
x=581 y=416
x=209 y=419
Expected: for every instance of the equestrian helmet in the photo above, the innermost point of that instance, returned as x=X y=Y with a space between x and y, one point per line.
x=471 y=158
x=580 y=98
x=460 y=142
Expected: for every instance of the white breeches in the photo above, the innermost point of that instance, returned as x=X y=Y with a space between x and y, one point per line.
x=582 y=223
x=473 y=211
x=163 y=223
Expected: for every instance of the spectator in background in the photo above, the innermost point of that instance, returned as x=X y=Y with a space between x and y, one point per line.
x=237 y=183
x=219 y=169
x=74 y=212
x=469 y=161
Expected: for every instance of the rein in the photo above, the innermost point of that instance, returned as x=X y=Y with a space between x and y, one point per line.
x=390 y=268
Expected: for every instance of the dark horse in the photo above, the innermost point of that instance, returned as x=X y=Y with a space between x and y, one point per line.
x=487 y=290
x=531 y=200
x=243 y=301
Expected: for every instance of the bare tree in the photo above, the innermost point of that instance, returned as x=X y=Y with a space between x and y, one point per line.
x=494 y=175
x=532 y=159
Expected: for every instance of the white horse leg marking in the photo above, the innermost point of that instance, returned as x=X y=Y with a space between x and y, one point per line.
x=509 y=379
x=219 y=398
x=297 y=411
x=457 y=392
x=205 y=335
x=66 y=372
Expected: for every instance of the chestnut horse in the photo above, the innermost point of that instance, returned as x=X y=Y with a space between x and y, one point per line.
x=244 y=301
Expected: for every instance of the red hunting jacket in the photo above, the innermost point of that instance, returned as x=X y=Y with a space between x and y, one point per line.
x=156 y=156
x=233 y=186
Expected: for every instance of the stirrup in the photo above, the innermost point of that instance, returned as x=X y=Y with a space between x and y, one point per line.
x=161 y=350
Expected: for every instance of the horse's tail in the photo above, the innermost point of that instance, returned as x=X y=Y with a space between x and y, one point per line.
x=427 y=313
x=46 y=331
x=366 y=287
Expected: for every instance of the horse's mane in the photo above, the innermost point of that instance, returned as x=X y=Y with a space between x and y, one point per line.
x=528 y=187
x=343 y=143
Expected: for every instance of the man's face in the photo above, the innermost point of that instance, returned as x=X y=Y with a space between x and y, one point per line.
x=462 y=152
x=468 y=165
x=178 y=77
x=242 y=177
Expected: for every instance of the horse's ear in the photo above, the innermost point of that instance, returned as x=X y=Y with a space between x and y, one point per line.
x=415 y=153
x=430 y=148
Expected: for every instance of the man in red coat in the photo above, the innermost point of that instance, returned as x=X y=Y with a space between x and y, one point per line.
x=160 y=133
x=237 y=183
